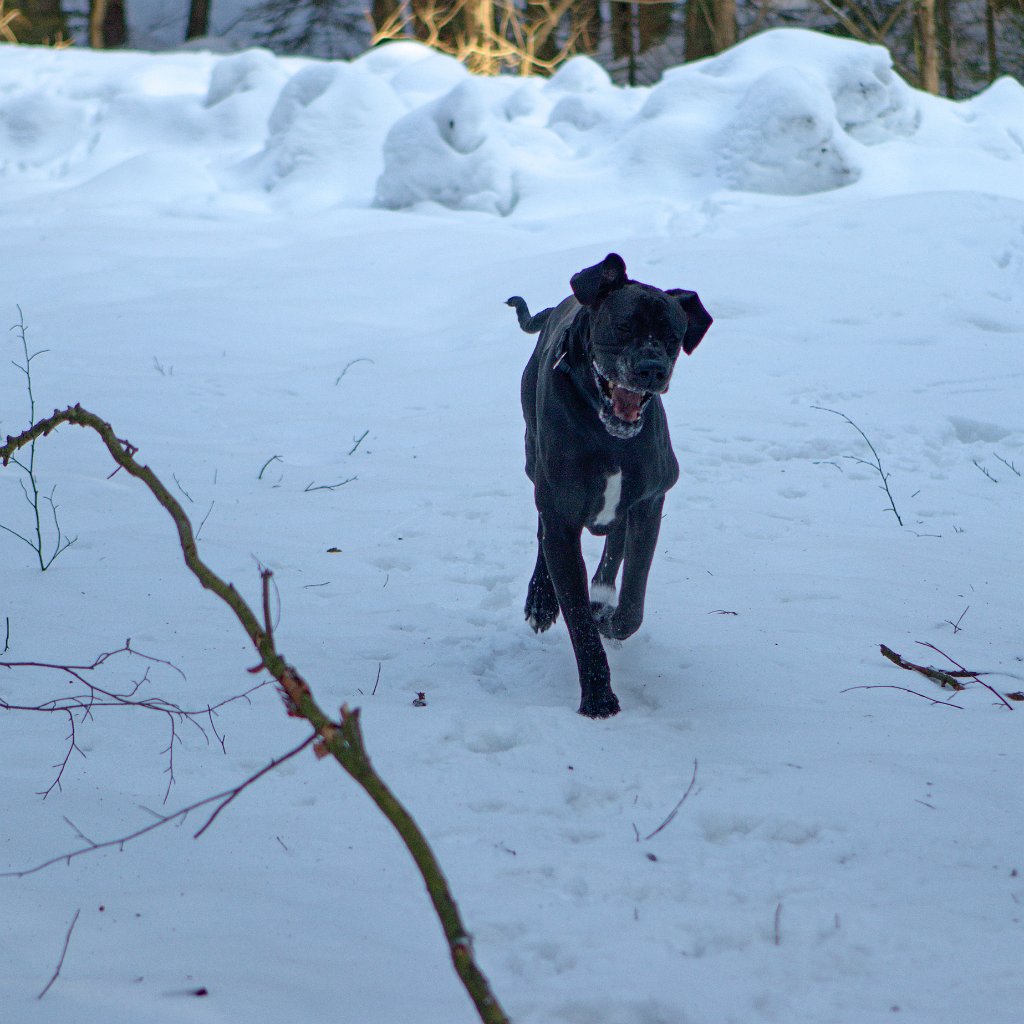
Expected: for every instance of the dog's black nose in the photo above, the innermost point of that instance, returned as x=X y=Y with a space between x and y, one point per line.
x=651 y=374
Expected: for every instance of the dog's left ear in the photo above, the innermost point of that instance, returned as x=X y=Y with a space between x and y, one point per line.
x=590 y=286
x=699 y=319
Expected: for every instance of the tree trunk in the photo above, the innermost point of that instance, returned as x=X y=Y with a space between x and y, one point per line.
x=710 y=27
x=944 y=19
x=926 y=44
x=990 y=40
x=479 y=22
x=653 y=24
x=107 y=26
x=42 y=21
x=198 y=19
x=725 y=23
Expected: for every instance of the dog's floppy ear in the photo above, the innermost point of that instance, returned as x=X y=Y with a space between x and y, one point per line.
x=699 y=319
x=590 y=286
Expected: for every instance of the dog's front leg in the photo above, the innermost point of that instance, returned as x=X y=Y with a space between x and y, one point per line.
x=642 y=530
x=564 y=558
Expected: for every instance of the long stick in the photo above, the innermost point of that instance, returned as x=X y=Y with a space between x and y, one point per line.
x=343 y=739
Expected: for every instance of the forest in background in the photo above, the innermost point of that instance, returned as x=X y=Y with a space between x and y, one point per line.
x=949 y=47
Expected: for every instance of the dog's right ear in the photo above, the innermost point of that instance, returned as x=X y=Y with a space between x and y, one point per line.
x=590 y=286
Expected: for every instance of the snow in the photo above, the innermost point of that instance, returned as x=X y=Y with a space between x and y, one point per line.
x=238 y=257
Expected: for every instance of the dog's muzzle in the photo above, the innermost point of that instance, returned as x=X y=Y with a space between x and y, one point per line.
x=622 y=406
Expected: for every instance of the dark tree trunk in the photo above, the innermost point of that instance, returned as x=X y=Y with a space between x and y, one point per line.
x=42 y=21
x=198 y=19
x=653 y=23
x=107 y=26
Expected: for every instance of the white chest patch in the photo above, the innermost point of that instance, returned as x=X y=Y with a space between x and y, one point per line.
x=612 y=494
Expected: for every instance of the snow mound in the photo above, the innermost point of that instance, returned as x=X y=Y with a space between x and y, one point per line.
x=449 y=151
x=786 y=112
x=783 y=138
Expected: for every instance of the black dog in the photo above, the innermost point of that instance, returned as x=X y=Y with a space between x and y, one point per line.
x=599 y=454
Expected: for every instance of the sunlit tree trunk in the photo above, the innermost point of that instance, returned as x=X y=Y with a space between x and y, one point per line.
x=107 y=26
x=479 y=22
x=926 y=44
x=710 y=27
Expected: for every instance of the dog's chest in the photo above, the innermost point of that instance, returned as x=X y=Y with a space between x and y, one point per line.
x=609 y=500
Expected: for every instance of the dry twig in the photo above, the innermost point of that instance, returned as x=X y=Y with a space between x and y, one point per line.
x=63 y=953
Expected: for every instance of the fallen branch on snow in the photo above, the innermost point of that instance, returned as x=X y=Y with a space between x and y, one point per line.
x=341 y=739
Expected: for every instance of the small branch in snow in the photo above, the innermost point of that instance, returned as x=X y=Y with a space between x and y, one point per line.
x=956 y=625
x=876 y=464
x=350 y=363
x=968 y=674
x=273 y=458
x=778 y=922
x=675 y=810
x=949 y=679
x=82 y=705
x=327 y=487
x=221 y=799
x=1009 y=465
x=985 y=471
x=358 y=441
x=63 y=953
x=904 y=689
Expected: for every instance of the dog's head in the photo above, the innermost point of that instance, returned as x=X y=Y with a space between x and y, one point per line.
x=635 y=334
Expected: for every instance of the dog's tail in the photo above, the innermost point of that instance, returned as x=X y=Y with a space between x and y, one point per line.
x=530 y=324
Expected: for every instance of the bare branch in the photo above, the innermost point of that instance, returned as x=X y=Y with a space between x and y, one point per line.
x=63 y=953
x=221 y=799
x=343 y=739
x=877 y=464
x=675 y=810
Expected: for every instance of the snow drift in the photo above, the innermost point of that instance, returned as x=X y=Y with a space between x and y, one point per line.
x=788 y=112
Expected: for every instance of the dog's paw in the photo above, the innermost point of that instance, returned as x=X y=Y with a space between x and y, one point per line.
x=540 y=613
x=617 y=626
x=602 y=704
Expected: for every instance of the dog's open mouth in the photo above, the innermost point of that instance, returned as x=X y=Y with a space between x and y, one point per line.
x=623 y=407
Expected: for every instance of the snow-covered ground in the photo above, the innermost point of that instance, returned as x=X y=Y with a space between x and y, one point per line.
x=275 y=275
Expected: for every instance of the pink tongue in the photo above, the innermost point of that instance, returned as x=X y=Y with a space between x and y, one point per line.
x=626 y=404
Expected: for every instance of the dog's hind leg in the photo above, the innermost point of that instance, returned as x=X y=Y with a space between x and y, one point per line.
x=541 y=601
